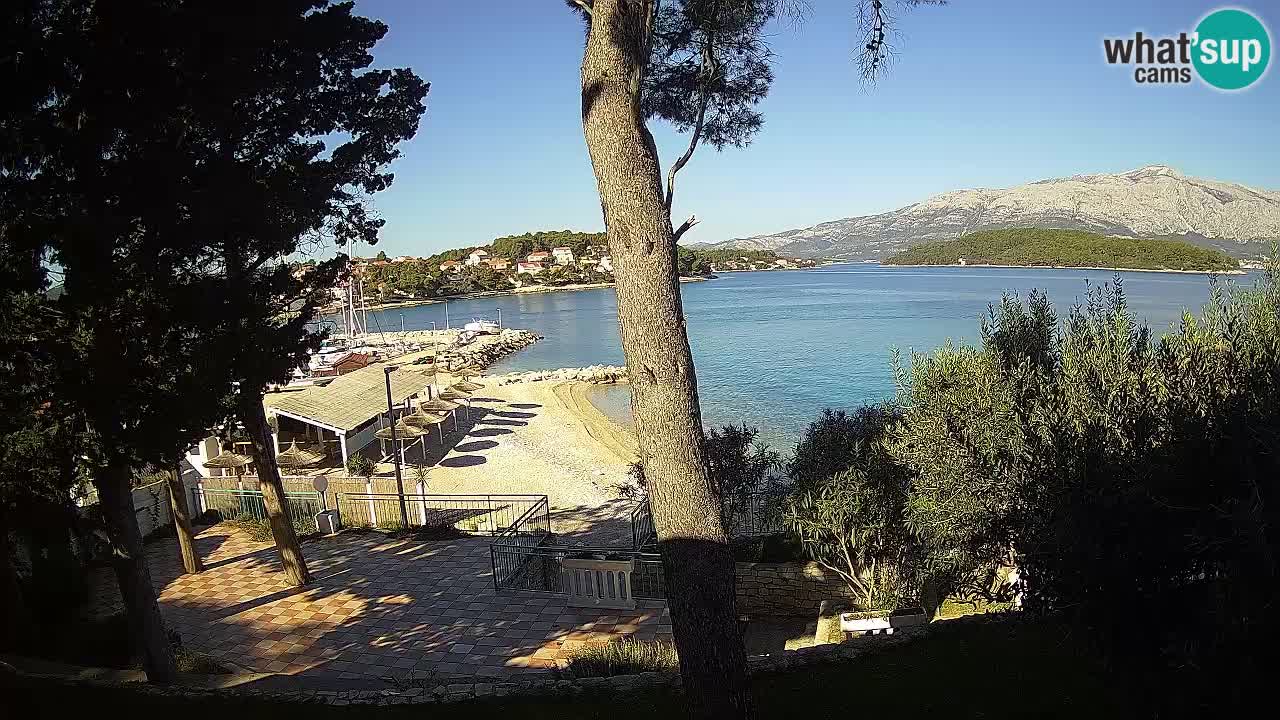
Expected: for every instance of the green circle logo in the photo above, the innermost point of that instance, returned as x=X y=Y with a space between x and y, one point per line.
x=1232 y=49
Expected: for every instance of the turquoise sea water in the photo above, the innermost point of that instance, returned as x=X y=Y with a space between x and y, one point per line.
x=773 y=348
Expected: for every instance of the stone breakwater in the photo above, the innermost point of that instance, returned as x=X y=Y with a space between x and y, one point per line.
x=602 y=374
x=484 y=350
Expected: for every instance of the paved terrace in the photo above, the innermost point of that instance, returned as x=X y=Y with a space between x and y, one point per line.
x=377 y=608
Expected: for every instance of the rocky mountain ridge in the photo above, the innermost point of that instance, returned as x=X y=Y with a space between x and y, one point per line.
x=1153 y=201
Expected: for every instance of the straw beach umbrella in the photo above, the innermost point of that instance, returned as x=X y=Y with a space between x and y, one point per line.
x=232 y=461
x=440 y=407
x=467 y=387
x=296 y=457
x=425 y=420
x=470 y=371
x=404 y=431
x=452 y=393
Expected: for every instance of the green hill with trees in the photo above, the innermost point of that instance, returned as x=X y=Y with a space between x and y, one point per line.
x=1033 y=247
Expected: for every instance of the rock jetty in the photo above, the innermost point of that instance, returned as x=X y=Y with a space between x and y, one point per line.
x=602 y=374
x=484 y=350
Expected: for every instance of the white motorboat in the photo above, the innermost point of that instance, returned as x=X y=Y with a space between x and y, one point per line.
x=483 y=327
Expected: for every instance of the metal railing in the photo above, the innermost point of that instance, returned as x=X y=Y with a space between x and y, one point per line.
x=643 y=533
x=483 y=514
x=754 y=514
x=536 y=568
x=749 y=515
x=248 y=505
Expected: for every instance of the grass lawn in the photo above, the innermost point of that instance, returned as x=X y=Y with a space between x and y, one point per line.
x=972 y=670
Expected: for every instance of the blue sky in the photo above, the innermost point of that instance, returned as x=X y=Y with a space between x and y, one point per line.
x=984 y=93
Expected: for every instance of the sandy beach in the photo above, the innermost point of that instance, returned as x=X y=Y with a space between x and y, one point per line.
x=547 y=438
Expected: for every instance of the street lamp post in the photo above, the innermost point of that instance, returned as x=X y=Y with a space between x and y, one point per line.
x=395 y=449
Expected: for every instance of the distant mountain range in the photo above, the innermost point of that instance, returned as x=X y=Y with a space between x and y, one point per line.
x=1154 y=201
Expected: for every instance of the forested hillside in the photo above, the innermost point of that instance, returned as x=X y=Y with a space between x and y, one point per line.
x=1065 y=248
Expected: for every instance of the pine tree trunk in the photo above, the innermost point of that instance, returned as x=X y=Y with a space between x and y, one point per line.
x=146 y=625
x=254 y=419
x=16 y=623
x=182 y=522
x=697 y=560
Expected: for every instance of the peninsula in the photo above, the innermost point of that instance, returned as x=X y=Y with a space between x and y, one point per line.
x=1035 y=247
x=532 y=262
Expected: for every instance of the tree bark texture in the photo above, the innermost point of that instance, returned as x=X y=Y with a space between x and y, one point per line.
x=146 y=625
x=16 y=624
x=182 y=522
x=254 y=419
x=696 y=556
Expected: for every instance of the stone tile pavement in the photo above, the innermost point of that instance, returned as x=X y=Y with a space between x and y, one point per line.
x=377 y=608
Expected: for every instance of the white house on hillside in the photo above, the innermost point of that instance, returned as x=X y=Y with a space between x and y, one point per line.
x=563 y=255
x=533 y=268
x=477 y=256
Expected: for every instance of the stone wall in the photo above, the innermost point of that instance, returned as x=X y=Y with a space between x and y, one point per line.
x=786 y=588
x=427 y=691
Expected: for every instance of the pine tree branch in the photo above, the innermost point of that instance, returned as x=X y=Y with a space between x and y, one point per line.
x=710 y=69
x=684 y=227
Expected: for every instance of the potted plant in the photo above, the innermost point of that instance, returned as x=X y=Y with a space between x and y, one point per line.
x=361 y=466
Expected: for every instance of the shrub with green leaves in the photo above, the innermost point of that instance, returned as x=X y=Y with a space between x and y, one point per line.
x=1130 y=480
x=740 y=467
x=847 y=503
x=361 y=466
x=852 y=525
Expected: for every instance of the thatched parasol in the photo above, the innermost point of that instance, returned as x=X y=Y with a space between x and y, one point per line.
x=455 y=393
x=438 y=406
x=442 y=407
x=425 y=420
x=230 y=460
x=296 y=457
x=467 y=387
x=404 y=431
x=421 y=419
x=468 y=372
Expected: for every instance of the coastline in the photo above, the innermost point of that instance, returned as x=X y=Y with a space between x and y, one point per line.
x=539 y=437
x=401 y=304
x=574 y=401
x=1070 y=267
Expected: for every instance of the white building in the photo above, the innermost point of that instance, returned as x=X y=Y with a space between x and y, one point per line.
x=533 y=268
x=477 y=256
x=606 y=264
x=562 y=255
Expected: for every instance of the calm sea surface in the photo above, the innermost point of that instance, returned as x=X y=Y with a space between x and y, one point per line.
x=774 y=348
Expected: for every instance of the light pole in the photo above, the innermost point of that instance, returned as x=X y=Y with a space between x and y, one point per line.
x=395 y=449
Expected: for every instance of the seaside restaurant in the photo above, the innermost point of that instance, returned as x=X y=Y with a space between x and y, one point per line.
x=340 y=417
x=337 y=417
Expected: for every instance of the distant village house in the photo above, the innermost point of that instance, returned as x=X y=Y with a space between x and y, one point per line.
x=533 y=268
x=477 y=256
x=450 y=266
x=563 y=255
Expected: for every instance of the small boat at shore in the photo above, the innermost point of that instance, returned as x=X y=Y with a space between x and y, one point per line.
x=483 y=327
